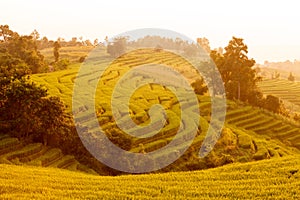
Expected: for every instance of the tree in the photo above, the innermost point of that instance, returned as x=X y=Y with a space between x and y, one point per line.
x=88 y=43
x=204 y=43
x=21 y=48
x=29 y=113
x=117 y=47
x=35 y=35
x=56 y=47
x=96 y=42
x=5 y=33
x=81 y=40
x=237 y=70
x=291 y=77
x=44 y=43
x=73 y=41
x=190 y=50
x=275 y=75
x=106 y=40
x=209 y=71
x=273 y=104
x=178 y=42
x=199 y=87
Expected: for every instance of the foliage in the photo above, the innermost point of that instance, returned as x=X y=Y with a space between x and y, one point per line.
x=117 y=47
x=176 y=44
x=96 y=42
x=275 y=75
x=81 y=59
x=199 y=87
x=18 y=108
x=190 y=50
x=272 y=103
x=56 y=47
x=291 y=77
x=241 y=79
x=61 y=64
x=204 y=43
x=237 y=71
x=22 y=49
x=30 y=113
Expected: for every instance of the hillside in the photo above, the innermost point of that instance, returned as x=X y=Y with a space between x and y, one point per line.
x=286 y=90
x=249 y=133
x=269 y=179
x=14 y=152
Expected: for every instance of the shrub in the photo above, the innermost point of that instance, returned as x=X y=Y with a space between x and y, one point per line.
x=82 y=59
x=61 y=64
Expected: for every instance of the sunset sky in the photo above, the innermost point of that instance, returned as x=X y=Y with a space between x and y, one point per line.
x=271 y=29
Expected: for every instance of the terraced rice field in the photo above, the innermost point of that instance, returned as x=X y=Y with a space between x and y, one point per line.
x=12 y=151
x=264 y=123
x=286 y=90
x=258 y=133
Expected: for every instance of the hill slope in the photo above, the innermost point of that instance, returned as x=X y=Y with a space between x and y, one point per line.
x=286 y=90
x=250 y=133
x=269 y=179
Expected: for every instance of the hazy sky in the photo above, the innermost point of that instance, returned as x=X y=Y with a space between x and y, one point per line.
x=271 y=29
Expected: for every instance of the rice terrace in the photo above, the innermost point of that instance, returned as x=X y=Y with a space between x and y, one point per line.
x=146 y=114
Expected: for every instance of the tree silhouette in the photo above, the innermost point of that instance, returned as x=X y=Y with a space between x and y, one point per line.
x=117 y=47
x=236 y=70
x=56 y=47
x=291 y=77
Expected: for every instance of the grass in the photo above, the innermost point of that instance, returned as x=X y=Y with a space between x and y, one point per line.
x=269 y=179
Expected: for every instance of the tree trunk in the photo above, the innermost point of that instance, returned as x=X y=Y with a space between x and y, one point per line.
x=239 y=90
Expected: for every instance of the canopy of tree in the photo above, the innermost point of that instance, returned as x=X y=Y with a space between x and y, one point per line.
x=117 y=47
x=237 y=71
x=19 y=50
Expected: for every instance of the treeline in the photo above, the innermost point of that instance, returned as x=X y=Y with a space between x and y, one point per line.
x=44 y=42
x=18 y=50
x=118 y=45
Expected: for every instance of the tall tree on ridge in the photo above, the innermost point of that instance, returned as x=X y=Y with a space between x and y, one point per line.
x=237 y=70
x=56 y=47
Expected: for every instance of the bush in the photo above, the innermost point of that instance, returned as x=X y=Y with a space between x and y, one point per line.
x=61 y=64
x=82 y=59
x=29 y=113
